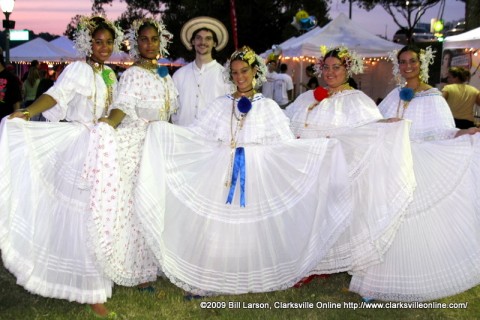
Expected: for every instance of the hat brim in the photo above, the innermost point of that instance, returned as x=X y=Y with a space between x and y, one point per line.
x=204 y=22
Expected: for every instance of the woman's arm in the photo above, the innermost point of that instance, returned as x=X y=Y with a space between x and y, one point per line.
x=44 y=102
x=114 y=118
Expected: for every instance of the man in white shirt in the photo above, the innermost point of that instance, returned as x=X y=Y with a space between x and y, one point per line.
x=283 y=88
x=267 y=88
x=201 y=81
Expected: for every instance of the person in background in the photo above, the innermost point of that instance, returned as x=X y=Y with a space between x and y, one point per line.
x=201 y=81
x=312 y=78
x=45 y=218
x=283 y=88
x=269 y=85
x=33 y=64
x=10 y=90
x=461 y=97
x=30 y=86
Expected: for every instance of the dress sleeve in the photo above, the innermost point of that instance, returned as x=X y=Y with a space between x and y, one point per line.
x=77 y=78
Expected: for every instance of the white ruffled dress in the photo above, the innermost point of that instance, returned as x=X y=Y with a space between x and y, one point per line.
x=436 y=252
x=379 y=167
x=44 y=208
x=118 y=237
x=296 y=200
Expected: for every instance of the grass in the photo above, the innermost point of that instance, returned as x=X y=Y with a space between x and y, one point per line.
x=167 y=303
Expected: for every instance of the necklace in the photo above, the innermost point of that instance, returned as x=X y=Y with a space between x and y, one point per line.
x=245 y=90
x=148 y=64
x=99 y=68
x=337 y=90
x=240 y=119
x=406 y=102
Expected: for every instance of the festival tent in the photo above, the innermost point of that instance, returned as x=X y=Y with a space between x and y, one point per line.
x=377 y=79
x=67 y=44
x=41 y=50
x=463 y=50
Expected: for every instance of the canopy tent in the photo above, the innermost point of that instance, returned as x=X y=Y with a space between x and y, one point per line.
x=462 y=50
x=67 y=44
x=41 y=50
x=376 y=81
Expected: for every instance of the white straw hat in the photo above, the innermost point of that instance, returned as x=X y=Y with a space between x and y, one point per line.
x=204 y=22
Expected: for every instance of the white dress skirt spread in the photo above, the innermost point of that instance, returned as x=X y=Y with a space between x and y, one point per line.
x=44 y=206
x=379 y=167
x=117 y=234
x=436 y=252
x=295 y=196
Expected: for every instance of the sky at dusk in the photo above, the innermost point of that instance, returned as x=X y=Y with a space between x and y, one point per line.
x=53 y=16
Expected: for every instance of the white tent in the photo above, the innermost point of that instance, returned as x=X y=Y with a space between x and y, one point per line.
x=463 y=50
x=376 y=81
x=68 y=45
x=469 y=39
x=41 y=50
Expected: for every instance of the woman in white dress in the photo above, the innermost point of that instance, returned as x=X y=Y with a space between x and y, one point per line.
x=145 y=93
x=234 y=203
x=44 y=210
x=372 y=149
x=436 y=252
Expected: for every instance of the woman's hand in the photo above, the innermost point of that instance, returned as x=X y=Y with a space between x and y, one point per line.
x=107 y=121
x=470 y=131
x=20 y=113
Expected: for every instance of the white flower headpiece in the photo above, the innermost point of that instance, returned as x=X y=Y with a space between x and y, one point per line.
x=83 y=35
x=164 y=35
x=254 y=60
x=352 y=61
x=426 y=58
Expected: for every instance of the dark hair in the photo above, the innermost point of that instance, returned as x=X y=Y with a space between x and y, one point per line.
x=461 y=74
x=101 y=24
x=310 y=68
x=214 y=35
x=411 y=48
x=148 y=24
x=283 y=67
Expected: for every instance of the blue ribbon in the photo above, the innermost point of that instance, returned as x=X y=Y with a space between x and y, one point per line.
x=238 y=167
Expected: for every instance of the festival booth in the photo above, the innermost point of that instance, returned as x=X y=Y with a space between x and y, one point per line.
x=119 y=58
x=41 y=50
x=462 y=50
x=377 y=79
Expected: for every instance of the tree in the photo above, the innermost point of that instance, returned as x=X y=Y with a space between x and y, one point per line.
x=472 y=12
x=410 y=10
x=260 y=23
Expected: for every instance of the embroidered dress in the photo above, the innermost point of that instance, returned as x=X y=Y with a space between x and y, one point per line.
x=120 y=245
x=379 y=167
x=436 y=252
x=44 y=207
x=295 y=192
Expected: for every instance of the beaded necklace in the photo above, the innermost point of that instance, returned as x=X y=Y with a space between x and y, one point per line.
x=109 y=79
x=240 y=119
x=152 y=66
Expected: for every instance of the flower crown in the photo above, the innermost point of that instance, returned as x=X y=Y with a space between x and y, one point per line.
x=132 y=35
x=351 y=60
x=426 y=57
x=254 y=60
x=83 y=35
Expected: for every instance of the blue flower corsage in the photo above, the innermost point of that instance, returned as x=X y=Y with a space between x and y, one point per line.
x=162 y=71
x=244 y=105
x=407 y=94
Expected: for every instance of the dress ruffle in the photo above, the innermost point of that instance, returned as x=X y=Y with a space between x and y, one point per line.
x=436 y=252
x=44 y=211
x=297 y=202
